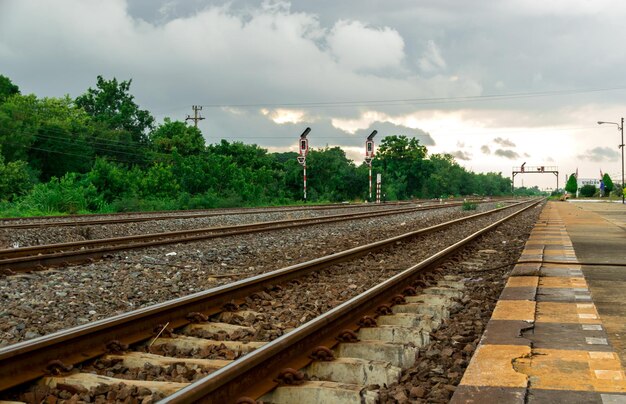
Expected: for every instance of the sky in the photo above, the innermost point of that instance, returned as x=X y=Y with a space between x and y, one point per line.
x=495 y=83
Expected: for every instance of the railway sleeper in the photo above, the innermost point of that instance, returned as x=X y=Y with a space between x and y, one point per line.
x=377 y=360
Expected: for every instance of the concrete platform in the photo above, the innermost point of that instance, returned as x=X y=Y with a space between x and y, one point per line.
x=558 y=332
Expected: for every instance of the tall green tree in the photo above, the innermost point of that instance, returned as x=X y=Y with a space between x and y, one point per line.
x=112 y=104
x=572 y=184
x=401 y=160
x=332 y=176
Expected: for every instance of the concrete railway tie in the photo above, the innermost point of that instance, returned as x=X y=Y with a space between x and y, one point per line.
x=377 y=355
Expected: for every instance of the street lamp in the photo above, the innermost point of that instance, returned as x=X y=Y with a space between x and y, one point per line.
x=620 y=127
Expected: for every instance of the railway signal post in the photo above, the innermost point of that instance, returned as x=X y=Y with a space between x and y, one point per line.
x=304 y=149
x=369 y=155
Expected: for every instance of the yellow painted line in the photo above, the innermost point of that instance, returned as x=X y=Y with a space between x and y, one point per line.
x=556 y=369
x=562 y=282
x=602 y=355
x=492 y=365
x=558 y=312
x=514 y=310
x=522 y=281
x=554 y=266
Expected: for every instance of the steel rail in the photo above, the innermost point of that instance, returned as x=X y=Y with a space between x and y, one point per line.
x=42 y=256
x=28 y=360
x=252 y=375
x=147 y=218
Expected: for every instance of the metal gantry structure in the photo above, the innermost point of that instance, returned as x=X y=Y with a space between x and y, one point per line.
x=534 y=170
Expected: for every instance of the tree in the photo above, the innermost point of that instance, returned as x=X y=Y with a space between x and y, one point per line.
x=331 y=175
x=7 y=88
x=15 y=179
x=572 y=184
x=401 y=160
x=111 y=104
x=179 y=137
x=608 y=184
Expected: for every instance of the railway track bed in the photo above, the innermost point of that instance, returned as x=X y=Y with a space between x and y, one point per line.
x=266 y=312
x=43 y=302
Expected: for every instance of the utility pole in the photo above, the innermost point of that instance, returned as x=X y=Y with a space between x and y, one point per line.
x=195 y=117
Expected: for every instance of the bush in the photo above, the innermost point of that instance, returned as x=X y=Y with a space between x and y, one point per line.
x=469 y=205
x=588 y=190
x=65 y=195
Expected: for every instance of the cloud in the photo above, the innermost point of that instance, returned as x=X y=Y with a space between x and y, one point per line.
x=461 y=155
x=485 y=149
x=284 y=115
x=598 y=154
x=358 y=46
x=509 y=154
x=390 y=129
x=431 y=60
x=504 y=142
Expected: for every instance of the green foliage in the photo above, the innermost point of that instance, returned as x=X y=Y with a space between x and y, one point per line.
x=572 y=184
x=7 y=88
x=112 y=104
x=113 y=180
x=588 y=190
x=532 y=191
x=177 y=137
x=467 y=205
x=66 y=195
x=15 y=179
x=608 y=184
x=159 y=181
x=101 y=152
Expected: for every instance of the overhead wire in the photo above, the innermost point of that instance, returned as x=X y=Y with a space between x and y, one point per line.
x=418 y=101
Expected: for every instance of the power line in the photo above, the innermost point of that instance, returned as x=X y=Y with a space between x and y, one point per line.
x=417 y=101
x=195 y=118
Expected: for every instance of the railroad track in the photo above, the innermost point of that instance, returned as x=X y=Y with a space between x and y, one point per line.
x=167 y=324
x=114 y=218
x=62 y=254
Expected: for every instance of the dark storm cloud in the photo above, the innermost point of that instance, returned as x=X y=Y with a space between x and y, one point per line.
x=390 y=129
x=256 y=127
x=504 y=142
x=598 y=154
x=426 y=55
x=461 y=155
x=509 y=154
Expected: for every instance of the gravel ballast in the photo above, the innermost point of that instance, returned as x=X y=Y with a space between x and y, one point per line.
x=43 y=302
